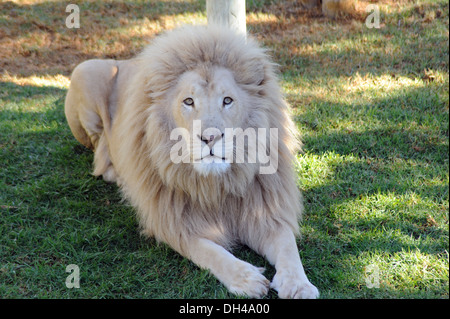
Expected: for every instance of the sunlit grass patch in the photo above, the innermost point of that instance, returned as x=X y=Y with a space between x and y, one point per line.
x=58 y=80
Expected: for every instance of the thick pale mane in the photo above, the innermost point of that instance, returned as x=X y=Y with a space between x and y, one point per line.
x=162 y=63
x=185 y=49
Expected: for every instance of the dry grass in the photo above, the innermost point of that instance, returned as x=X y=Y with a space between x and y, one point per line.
x=35 y=41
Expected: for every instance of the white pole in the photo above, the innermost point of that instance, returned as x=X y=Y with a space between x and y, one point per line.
x=229 y=13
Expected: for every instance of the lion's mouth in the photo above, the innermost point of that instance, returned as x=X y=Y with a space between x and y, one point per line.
x=211 y=164
x=212 y=159
x=214 y=156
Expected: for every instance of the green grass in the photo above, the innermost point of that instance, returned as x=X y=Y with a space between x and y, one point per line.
x=371 y=105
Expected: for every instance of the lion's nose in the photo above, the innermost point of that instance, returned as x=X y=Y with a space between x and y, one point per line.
x=211 y=138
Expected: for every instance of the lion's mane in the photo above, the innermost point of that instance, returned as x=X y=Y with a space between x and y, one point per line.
x=173 y=201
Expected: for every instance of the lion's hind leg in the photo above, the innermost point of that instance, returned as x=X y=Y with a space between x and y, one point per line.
x=81 y=114
x=87 y=109
x=102 y=162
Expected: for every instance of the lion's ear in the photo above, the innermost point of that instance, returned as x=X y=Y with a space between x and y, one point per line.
x=252 y=73
x=260 y=73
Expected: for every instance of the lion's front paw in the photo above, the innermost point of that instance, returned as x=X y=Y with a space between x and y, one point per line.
x=248 y=280
x=290 y=286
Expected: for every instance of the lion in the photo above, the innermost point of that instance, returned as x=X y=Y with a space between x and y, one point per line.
x=331 y=8
x=160 y=124
x=336 y=8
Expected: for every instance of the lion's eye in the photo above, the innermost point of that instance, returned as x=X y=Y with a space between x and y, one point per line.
x=189 y=101
x=227 y=101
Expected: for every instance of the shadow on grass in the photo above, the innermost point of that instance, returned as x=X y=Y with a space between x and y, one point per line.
x=398 y=148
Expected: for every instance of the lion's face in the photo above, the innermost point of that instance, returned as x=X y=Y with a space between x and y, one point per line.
x=207 y=103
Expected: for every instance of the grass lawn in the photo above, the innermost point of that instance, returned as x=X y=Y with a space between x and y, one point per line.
x=372 y=106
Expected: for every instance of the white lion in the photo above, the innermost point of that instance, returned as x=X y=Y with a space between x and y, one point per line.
x=126 y=111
